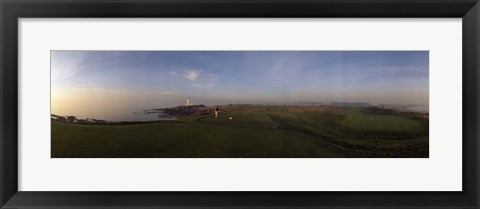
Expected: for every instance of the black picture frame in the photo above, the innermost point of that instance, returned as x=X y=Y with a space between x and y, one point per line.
x=11 y=10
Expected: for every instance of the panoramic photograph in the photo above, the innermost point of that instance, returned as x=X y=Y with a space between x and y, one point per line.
x=239 y=104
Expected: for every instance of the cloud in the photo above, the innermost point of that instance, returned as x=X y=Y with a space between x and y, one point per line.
x=208 y=80
x=199 y=79
x=66 y=64
x=167 y=93
x=192 y=75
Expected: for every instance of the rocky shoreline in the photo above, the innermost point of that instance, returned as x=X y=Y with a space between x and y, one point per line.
x=184 y=111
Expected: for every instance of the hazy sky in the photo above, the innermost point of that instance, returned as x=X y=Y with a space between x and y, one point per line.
x=99 y=80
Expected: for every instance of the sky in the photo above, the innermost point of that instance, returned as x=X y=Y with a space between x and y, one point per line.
x=91 y=82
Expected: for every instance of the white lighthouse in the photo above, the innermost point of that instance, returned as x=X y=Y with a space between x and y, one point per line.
x=188 y=102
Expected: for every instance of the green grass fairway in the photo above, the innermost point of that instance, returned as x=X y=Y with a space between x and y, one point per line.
x=173 y=139
x=367 y=122
x=253 y=131
x=247 y=120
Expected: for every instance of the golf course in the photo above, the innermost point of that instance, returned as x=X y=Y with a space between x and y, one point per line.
x=251 y=131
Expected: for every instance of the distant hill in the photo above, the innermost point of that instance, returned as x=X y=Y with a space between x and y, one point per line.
x=350 y=104
x=343 y=104
x=305 y=103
